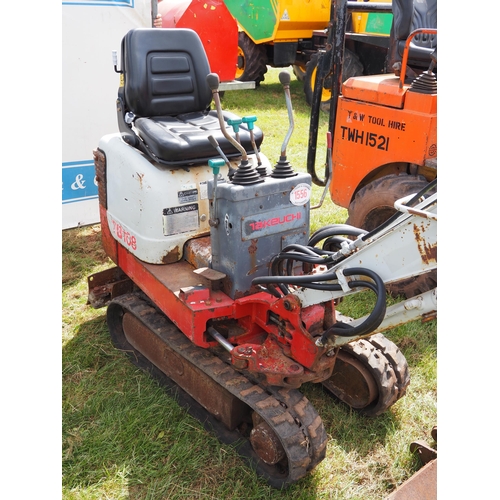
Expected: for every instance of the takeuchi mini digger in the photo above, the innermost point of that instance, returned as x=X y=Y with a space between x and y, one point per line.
x=219 y=288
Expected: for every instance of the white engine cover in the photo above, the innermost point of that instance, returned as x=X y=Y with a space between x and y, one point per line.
x=153 y=209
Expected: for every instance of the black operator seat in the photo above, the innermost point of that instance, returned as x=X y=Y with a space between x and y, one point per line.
x=409 y=15
x=164 y=102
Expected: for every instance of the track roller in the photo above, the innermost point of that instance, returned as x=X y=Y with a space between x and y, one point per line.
x=265 y=442
x=370 y=375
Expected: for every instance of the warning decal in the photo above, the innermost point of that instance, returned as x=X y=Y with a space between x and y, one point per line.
x=187 y=196
x=183 y=219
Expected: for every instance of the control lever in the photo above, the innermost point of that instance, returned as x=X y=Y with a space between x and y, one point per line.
x=250 y=120
x=284 y=77
x=235 y=123
x=283 y=167
x=213 y=82
x=215 y=166
x=246 y=173
x=329 y=167
x=215 y=144
x=434 y=60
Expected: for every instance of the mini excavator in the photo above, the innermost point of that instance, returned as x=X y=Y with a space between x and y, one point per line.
x=219 y=289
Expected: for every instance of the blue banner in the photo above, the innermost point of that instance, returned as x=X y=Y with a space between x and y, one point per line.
x=78 y=181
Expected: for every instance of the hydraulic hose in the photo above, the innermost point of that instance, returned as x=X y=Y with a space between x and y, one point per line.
x=373 y=320
x=322 y=282
x=334 y=230
x=289 y=258
x=335 y=242
x=300 y=248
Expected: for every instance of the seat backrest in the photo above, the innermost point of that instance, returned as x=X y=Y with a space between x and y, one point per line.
x=409 y=15
x=164 y=72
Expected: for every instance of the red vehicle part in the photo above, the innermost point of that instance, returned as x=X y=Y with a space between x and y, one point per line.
x=215 y=26
x=269 y=334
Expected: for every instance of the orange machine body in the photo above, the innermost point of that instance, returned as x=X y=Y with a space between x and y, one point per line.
x=382 y=127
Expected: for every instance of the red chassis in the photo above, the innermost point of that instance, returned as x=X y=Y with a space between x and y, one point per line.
x=272 y=336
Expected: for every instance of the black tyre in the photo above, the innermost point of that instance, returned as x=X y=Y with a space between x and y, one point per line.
x=299 y=71
x=352 y=67
x=374 y=204
x=252 y=60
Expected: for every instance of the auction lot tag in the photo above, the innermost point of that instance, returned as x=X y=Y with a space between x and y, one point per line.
x=300 y=194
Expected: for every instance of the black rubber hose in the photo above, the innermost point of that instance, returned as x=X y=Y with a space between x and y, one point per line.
x=278 y=261
x=291 y=280
x=300 y=248
x=322 y=251
x=304 y=260
x=272 y=290
x=334 y=230
x=291 y=254
x=374 y=319
x=335 y=242
x=310 y=281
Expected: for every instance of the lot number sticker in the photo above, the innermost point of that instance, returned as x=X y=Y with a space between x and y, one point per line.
x=301 y=194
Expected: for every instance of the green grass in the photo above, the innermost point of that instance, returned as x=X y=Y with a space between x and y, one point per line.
x=124 y=437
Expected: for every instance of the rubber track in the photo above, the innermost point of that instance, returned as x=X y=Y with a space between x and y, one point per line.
x=382 y=372
x=288 y=412
x=299 y=406
x=396 y=359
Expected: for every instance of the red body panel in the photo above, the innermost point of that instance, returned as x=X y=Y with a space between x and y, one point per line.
x=215 y=26
x=282 y=347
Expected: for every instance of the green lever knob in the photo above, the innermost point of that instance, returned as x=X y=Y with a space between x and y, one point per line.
x=249 y=120
x=216 y=164
x=235 y=124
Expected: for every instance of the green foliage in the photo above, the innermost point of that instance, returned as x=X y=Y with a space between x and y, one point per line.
x=123 y=436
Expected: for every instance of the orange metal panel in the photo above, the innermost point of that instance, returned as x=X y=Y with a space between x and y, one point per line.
x=377 y=89
x=369 y=135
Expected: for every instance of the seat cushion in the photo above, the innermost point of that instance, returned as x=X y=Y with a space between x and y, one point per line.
x=183 y=139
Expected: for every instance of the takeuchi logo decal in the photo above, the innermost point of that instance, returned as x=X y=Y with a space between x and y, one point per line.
x=274 y=221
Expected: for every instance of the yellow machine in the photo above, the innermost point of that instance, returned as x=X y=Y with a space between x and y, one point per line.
x=290 y=32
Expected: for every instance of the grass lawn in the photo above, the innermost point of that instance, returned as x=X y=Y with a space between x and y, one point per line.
x=125 y=437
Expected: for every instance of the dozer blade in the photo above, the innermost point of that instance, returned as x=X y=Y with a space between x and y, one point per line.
x=421 y=486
